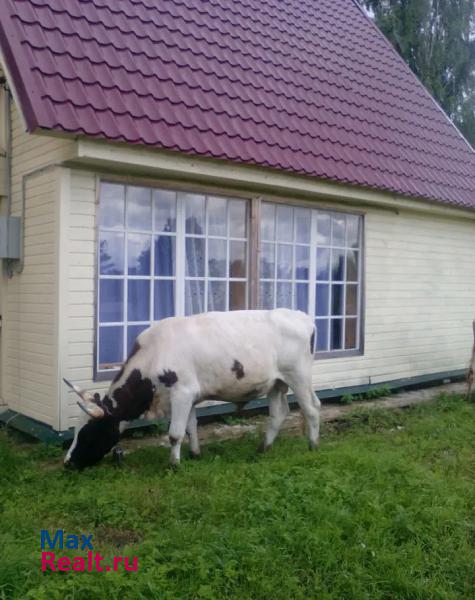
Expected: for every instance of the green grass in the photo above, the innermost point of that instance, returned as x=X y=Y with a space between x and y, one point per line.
x=384 y=510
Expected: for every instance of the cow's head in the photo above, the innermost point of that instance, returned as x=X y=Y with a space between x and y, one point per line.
x=96 y=432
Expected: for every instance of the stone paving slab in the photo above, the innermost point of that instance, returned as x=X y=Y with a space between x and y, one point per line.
x=212 y=432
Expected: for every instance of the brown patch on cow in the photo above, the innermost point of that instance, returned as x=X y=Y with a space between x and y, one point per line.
x=134 y=397
x=133 y=352
x=168 y=378
x=281 y=386
x=119 y=374
x=238 y=369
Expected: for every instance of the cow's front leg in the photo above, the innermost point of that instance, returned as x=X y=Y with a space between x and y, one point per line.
x=278 y=411
x=181 y=406
x=192 y=431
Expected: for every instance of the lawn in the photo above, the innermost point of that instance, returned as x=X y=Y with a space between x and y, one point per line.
x=385 y=509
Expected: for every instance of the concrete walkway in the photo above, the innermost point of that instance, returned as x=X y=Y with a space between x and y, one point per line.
x=212 y=432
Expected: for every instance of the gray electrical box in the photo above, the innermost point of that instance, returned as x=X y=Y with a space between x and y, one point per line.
x=10 y=237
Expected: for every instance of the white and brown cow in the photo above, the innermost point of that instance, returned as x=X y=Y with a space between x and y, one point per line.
x=179 y=362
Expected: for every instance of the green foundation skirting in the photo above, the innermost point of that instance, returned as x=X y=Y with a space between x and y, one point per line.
x=47 y=434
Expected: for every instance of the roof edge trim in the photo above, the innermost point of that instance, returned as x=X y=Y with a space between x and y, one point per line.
x=15 y=81
x=162 y=163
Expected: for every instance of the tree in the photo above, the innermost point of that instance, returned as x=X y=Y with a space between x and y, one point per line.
x=436 y=38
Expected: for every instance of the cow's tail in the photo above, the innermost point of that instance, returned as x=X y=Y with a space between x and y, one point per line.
x=312 y=340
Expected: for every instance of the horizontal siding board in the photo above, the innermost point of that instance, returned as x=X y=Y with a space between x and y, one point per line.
x=29 y=334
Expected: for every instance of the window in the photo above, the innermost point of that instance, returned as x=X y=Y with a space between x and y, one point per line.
x=311 y=261
x=164 y=253
x=216 y=251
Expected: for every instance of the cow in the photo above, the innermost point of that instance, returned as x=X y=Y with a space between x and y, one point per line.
x=179 y=362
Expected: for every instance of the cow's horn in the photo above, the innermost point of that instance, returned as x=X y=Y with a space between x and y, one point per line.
x=78 y=391
x=85 y=396
x=91 y=409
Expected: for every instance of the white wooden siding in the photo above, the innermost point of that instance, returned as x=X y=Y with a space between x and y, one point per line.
x=80 y=289
x=420 y=300
x=3 y=210
x=419 y=287
x=29 y=339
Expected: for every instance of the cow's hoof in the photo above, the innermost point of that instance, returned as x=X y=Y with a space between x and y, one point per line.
x=118 y=456
x=262 y=447
x=194 y=455
x=313 y=445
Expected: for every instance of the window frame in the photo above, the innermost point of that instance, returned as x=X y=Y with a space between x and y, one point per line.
x=253 y=220
x=318 y=207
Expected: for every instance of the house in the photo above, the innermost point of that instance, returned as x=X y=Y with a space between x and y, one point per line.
x=169 y=157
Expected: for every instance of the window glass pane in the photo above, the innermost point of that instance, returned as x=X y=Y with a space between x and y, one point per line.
x=285 y=225
x=268 y=261
x=322 y=335
x=352 y=265
x=112 y=209
x=111 y=300
x=216 y=295
x=111 y=253
x=217 y=217
x=338 y=230
x=138 y=300
x=353 y=231
x=165 y=210
x=323 y=264
x=303 y=220
x=165 y=255
x=132 y=332
x=138 y=254
x=301 y=296
x=266 y=300
x=111 y=347
x=336 y=331
x=237 y=218
x=323 y=230
x=194 y=297
x=337 y=299
x=139 y=208
x=350 y=333
x=351 y=299
x=195 y=257
x=237 y=295
x=267 y=221
x=284 y=261
x=284 y=295
x=338 y=265
x=163 y=299
x=194 y=213
x=302 y=262
x=217 y=250
x=237 y=259
x=322 y=300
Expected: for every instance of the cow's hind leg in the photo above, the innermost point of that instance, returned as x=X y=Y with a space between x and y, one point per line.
x=192 y=431
x=278 y=411
x=181 y=406
x=310 y=407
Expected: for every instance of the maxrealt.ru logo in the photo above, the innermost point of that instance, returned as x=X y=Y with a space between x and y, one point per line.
x=92 y=561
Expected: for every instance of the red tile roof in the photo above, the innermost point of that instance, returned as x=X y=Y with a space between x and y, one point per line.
x=304 y=86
